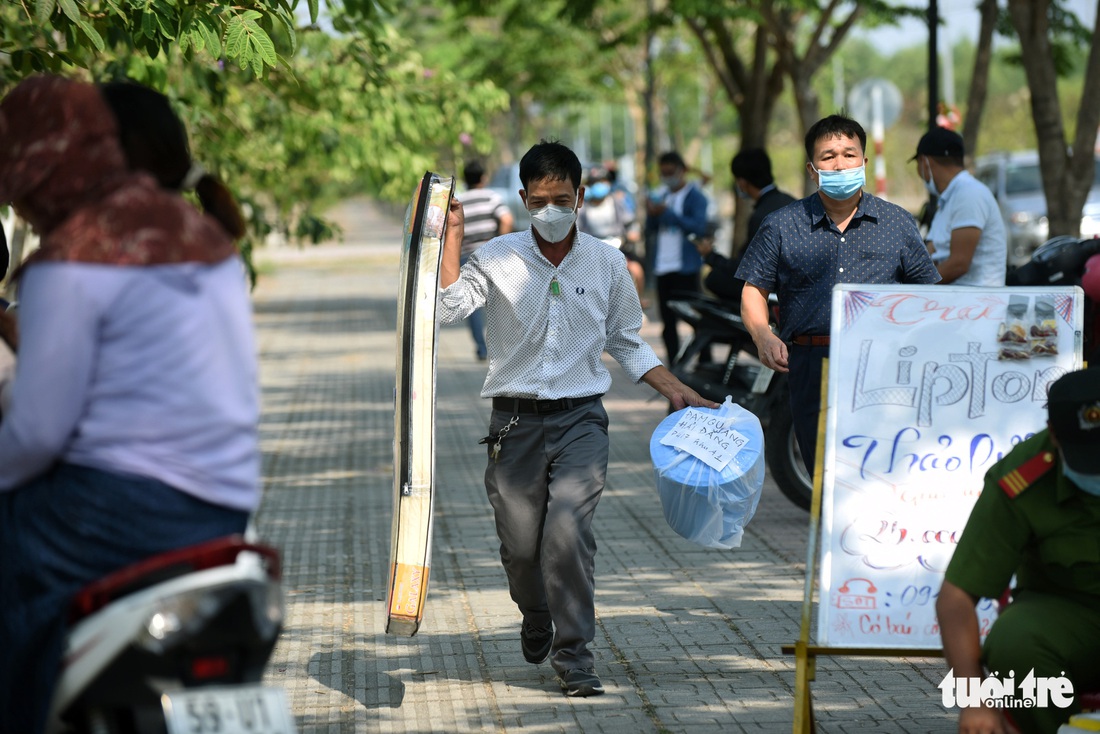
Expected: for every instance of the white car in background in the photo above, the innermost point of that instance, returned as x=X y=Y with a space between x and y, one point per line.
x=1017 y=184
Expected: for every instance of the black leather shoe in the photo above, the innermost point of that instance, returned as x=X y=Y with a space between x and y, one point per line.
x=535 y=642
x=580 y=682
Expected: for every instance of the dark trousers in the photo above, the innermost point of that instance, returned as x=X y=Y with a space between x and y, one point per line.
x=1054 y=637
x=805 y=383
x=544 y=487
x=58 y=533
x=669 y=287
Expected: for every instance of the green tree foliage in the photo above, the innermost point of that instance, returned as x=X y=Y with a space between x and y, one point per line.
x=54 y=35
x=292 y=118
x=529 y=50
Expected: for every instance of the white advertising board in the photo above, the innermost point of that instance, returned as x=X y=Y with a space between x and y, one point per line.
x=928 y=387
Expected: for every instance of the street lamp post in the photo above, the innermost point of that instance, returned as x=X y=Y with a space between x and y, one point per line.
x=933 y=63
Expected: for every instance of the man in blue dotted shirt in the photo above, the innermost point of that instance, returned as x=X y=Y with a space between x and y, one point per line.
x=840 y=234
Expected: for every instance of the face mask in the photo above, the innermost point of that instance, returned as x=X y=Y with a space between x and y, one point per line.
x=553 y=222
x=840 y=185
x=598 y=190
x=670 y=181
x=740 y=192
x=930 y=183
x=1087 y=482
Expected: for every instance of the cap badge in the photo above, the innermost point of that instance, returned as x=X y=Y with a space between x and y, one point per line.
x=1089 y=416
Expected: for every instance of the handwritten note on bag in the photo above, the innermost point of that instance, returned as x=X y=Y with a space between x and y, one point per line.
x=707 y=437
x=925 y=395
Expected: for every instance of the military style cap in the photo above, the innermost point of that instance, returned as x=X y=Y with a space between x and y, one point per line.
x=1074 y=409
x=939 y=141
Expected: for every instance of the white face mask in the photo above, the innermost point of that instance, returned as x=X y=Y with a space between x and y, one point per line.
x=1087 y=482
x=554 y=222
x=930 y=183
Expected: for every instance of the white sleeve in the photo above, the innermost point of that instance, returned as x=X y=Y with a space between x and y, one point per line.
x=57 y=351
x=465 y=295
x=624 y=321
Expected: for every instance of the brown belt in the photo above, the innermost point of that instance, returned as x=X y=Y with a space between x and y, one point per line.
x=810 y=340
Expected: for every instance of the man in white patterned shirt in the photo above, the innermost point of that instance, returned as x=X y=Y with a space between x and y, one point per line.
x=555 y=300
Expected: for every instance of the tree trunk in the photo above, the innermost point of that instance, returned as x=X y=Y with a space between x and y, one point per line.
x=979 y=81
x=753 y=91
x=1030 y=19
x=824 y=40
x=809 y=112
x=1083 y=162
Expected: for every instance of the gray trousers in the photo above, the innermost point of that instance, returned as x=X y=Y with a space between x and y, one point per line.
x=544 y=487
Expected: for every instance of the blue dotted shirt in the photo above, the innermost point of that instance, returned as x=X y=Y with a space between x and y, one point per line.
x=799 y=255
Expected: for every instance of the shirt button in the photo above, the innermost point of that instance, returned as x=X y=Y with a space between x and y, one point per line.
x=842 y=239
x=842 y=270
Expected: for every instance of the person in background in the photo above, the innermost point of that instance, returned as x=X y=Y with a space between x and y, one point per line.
x=487 y=216
x=967 y=235
x=839 y=234
x=752 y=176
x=556 y=299
x=606 y=218
x=621 y=192
x=1037 y=519
x=133 y=426
x=675 y=212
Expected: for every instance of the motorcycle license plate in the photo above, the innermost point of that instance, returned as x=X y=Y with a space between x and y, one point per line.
x=228 y=710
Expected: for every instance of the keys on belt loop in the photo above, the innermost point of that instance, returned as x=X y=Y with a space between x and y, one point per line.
x=494 y=452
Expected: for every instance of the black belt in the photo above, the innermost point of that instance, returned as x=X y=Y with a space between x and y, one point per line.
x=810 y=340
x=515 y=406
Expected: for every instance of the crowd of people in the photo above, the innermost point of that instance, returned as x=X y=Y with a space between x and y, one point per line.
x=132 y=370
x=546 y=446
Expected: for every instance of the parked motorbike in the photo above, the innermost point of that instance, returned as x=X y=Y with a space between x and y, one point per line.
x=176 y=644
x=759 y=389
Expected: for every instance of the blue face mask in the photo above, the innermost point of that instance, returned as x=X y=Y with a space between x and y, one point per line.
x=840 y=185
x=598 y=190
x=1087 y=482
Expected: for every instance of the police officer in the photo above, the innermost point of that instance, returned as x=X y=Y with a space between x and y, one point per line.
x=1038 y=517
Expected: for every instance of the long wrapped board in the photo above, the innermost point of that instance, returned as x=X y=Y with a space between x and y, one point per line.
x=414 y=403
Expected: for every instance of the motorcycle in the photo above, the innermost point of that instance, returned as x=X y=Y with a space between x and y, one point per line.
x=747 y=381
x=176 y=644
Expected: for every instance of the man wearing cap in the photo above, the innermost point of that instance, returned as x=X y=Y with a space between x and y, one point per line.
x=1038 y=518
x=967 y=235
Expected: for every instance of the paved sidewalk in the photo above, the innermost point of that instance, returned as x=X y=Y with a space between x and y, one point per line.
x=688 y=639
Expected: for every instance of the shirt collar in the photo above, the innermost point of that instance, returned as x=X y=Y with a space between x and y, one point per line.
x=868 y=208
x=946 y=193
x=533 y=244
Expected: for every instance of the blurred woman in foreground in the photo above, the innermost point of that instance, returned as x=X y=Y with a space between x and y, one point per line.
x=132 y=427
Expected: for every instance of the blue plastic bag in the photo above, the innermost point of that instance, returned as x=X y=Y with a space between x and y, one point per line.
x=707 y=505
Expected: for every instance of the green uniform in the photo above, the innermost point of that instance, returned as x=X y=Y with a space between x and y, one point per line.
x=1032 y=522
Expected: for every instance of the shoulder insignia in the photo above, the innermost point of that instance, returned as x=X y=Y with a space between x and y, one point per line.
x=1026 y=474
